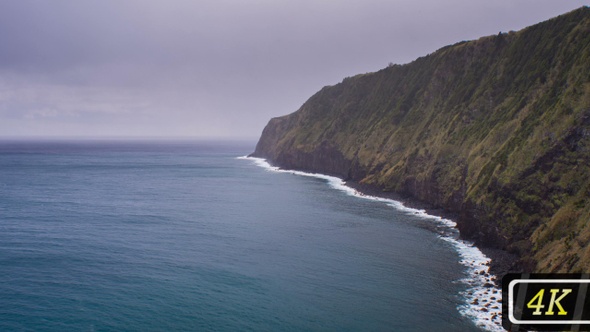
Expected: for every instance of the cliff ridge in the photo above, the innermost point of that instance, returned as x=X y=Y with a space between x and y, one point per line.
x=495 y=130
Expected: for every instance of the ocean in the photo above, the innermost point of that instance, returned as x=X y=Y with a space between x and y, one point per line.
x=193 y=236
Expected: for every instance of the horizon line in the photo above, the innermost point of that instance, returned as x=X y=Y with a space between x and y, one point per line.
x=125 y=138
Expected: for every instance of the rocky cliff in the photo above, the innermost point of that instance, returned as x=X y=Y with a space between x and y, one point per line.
x=495 y=130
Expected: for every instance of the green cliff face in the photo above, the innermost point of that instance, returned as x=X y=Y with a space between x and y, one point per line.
x=496 y=130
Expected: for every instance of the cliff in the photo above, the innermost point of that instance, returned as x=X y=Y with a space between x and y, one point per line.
x=495 y=130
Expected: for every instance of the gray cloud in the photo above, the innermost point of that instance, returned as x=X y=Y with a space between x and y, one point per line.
x=213 y=68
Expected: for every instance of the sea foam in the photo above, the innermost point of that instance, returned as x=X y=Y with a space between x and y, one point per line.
x=482 y=299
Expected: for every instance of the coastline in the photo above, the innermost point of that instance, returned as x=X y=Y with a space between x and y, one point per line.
x=483 y=296
x=502 y=262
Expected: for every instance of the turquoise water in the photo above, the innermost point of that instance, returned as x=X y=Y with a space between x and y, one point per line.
x=111 y=236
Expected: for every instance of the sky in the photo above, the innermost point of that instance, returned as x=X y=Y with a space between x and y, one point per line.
x=213 y=68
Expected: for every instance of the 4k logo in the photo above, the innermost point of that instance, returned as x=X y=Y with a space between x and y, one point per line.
x=549 y=302
x=537 y=300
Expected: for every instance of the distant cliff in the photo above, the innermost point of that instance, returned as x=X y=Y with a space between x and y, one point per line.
x=496 y=130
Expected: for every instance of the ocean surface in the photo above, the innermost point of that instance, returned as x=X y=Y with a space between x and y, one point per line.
x=188 y=236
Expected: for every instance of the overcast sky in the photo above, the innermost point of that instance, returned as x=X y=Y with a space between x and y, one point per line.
x=219 y=68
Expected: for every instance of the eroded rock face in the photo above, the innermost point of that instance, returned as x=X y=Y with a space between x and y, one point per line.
x=496 y=130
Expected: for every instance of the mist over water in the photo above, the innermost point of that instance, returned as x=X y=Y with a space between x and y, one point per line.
x=184 y=236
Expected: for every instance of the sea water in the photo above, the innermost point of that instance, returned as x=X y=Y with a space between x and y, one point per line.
x=187 y=236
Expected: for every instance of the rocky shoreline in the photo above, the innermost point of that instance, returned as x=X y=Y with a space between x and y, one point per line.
x=485 y=267
x=502 y=262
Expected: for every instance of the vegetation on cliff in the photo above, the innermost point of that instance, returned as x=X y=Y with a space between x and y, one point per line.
x=496 y=130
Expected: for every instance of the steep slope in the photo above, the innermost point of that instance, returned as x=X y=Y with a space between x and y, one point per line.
x=496 y=130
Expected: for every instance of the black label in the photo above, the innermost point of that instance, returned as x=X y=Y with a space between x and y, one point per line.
x=546 y=302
